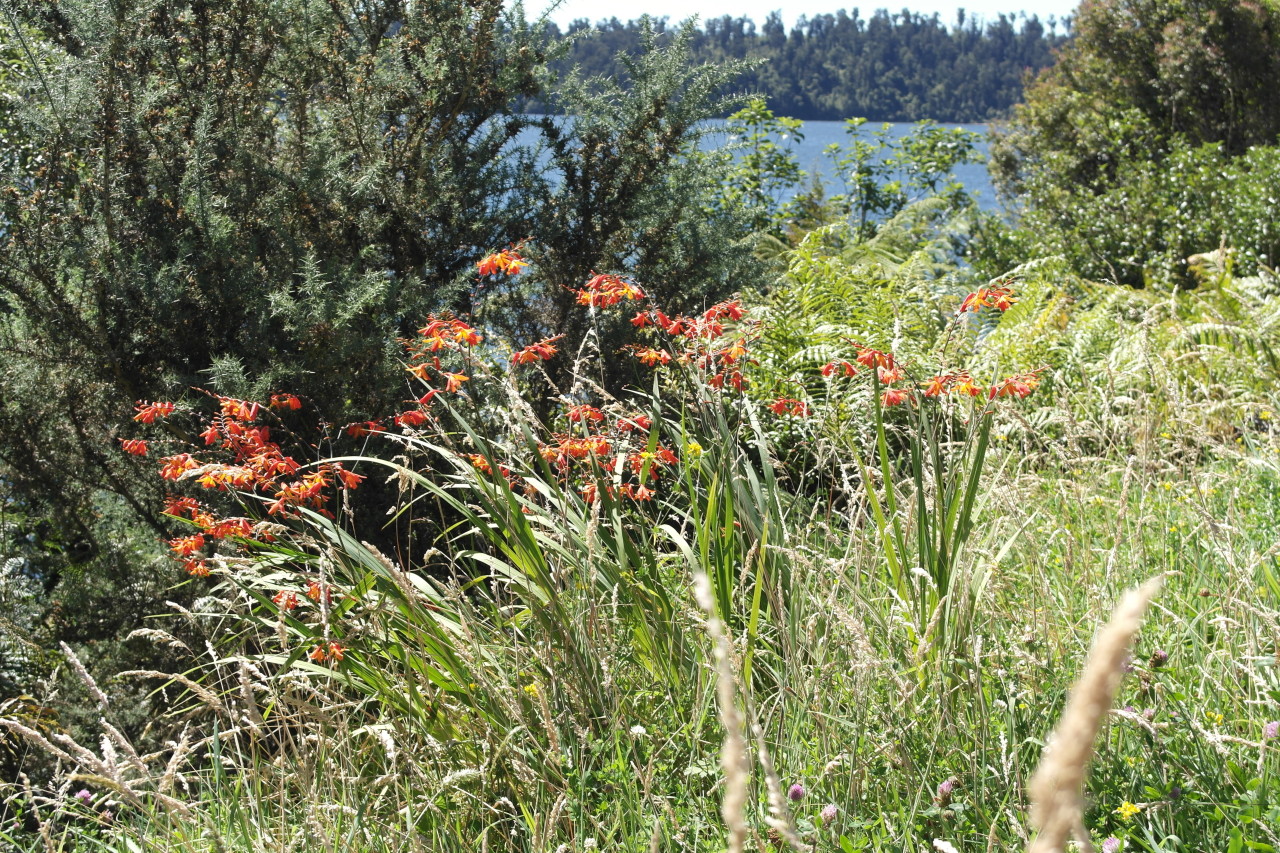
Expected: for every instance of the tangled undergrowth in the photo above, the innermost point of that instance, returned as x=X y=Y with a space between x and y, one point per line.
x=823 y=586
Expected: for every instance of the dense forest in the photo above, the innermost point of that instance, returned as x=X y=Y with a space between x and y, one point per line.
x=901 y=66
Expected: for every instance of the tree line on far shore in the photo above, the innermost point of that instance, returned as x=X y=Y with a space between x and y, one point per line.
x=901 y=66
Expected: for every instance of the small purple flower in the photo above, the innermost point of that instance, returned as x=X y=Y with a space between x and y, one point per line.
x=1175 y=792
x=796 y=792
x=828 y=813
x=1158 y=658
x=1271 y=730
x=1148 y=714
x=945 y=789
x=1111 y=845
x=84 y=796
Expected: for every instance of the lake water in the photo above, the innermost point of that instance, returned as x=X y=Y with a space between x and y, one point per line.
x=810 y=153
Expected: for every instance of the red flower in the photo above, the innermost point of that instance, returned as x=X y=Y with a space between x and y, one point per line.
x=285 y=401
x=937 y=386
x=453 y=381
x=241 y=410
x=789 y=406
x=285 y=599
x=176 y=466
x=634 y=422
x=585 y=413
x=148 y=412
x=833 y=367
x=362 y=429
x=134 y=446
x=411 y=418
x=874 y=358
x=350 y=479
x=196 y=568
x=889 y=375
x=651 y=357
x=508 y=261
x=179 y=507
x=185 y=546
x=895 y=396
x=542 y=350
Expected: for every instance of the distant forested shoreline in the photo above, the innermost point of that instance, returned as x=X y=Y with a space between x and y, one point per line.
x=901 y=66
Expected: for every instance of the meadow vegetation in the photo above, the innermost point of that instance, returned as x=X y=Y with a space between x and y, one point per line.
x=706 y=517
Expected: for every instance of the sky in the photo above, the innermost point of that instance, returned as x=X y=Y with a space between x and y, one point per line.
x=758 y=10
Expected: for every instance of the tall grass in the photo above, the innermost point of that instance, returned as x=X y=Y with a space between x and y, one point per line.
x=550 y=678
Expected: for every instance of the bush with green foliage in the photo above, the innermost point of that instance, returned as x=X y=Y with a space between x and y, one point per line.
x=267 y=193
x=1151 y=140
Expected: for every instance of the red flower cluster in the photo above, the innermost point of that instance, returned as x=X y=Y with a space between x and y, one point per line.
x=543 y=350
x=148 y=412
x=190 y=548
x=839 y=368
x=444 y=333
x=1000 y=298
x=603 y=291
x=722 y=364
x=506 y=262
x=1018 y=386
x=948 y=383
x=616 y=461
x=789 y=406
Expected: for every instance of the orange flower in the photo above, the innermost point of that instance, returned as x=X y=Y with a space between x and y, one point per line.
x=963 y=384
x=508 y=261
x=197 y=568
x=1018 y=386
x=134 y=446
x=285 y=401
x=411 y=418
x=453 y=381
x=889 y=375
x=1000 y=298
x=585 y=413
x=185 y=546
x=604 y=290
x=733 y=352
x=542 y=350
x=176 y=466
x=362 y=429
x=895 y=396
x=148 y=412
x=285 y=600
x=651 y=357
x=241 y=410
x=833 y=367
x=937 y=386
